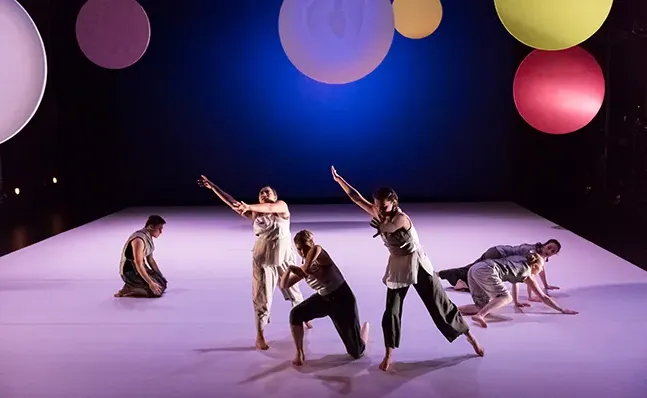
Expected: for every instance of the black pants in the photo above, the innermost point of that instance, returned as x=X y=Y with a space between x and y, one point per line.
x=132 y=279
x=453 y=275
x=341 y=307
x=443 y=311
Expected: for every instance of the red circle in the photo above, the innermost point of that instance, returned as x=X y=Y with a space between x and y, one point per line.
x=559 y=92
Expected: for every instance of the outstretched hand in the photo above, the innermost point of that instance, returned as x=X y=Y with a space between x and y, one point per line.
x=569 y=312
x=204 y=182
x=241 y=207
x=335 y=175
x=375 y=223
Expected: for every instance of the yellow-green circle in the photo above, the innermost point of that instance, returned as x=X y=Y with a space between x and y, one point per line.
x=552 y=24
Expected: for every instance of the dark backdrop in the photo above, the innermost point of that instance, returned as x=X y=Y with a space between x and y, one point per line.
x=73 y=134
x=215 y=94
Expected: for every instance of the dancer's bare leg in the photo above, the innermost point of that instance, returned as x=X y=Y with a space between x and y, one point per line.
x=297 y=335
x=460 y=285
x=475 y=344
x=366 y=328
x=387 y=361
x=494 y=304
x=469 y=309
x=261 y=344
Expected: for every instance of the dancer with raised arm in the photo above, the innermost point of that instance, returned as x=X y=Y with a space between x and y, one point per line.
x=408 y=265
x=489 y=293
x=333 y=297
x=138 y=268
x=272 y=252
x=457 y=277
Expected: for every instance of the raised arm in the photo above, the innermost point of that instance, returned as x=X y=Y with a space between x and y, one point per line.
x=353 y=194
x=224 y=196
x=532 y=284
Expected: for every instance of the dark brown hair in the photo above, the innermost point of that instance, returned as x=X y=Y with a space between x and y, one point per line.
x=386 y=193
x=556 y=242
x=155 y=220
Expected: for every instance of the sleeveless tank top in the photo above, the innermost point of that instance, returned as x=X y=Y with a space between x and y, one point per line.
x=325 y=276
x=405 y=256
x=520 y=250
x=127 y=257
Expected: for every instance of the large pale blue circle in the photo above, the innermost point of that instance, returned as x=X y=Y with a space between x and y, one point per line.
x=23 y=69
x=336 y=41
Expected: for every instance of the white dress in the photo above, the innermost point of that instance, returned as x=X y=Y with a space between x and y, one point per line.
x=272 y=254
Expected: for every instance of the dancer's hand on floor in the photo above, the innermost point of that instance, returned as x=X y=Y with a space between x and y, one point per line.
x=522 y=305
x=569 y=312
x=551 y=287
x=155 y=288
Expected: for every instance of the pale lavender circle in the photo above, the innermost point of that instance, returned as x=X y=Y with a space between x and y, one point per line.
x=113 y=34
x=336 y=41
x=23 y=69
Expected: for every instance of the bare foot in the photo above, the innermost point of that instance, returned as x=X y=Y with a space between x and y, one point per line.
x=308 y=325
x=461 y=286
x=475 y=344
x=385 y=364
x=299 y=359
x=366 y=328
x=480 y=320
x=261 y=344
x=119 y=293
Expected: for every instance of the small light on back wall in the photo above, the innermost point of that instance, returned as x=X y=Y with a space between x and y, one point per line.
x=17 y=191
x=55 y=180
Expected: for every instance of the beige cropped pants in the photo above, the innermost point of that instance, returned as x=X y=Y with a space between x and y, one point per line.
x=264 y=282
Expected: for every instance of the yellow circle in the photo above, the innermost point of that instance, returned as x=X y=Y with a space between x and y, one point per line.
x=552 y=24
x=417 y=19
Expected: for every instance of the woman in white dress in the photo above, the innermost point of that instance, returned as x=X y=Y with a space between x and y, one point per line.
x=272 y=253
x=408 y=265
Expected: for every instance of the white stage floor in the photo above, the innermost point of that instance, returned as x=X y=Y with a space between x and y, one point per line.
x=62 y=334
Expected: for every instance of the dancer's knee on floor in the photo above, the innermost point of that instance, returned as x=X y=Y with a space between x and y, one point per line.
x=357 y=352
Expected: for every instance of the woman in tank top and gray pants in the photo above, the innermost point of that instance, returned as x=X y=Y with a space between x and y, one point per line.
x=407 y=266
x=333 y=297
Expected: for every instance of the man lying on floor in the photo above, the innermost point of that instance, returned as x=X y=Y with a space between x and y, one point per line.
x=139 y=271
x=457 y=277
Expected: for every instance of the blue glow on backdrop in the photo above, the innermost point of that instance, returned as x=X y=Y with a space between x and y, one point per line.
x=215 y=94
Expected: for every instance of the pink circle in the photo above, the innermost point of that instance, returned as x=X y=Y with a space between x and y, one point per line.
x=559 y=92
x=113 y=34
